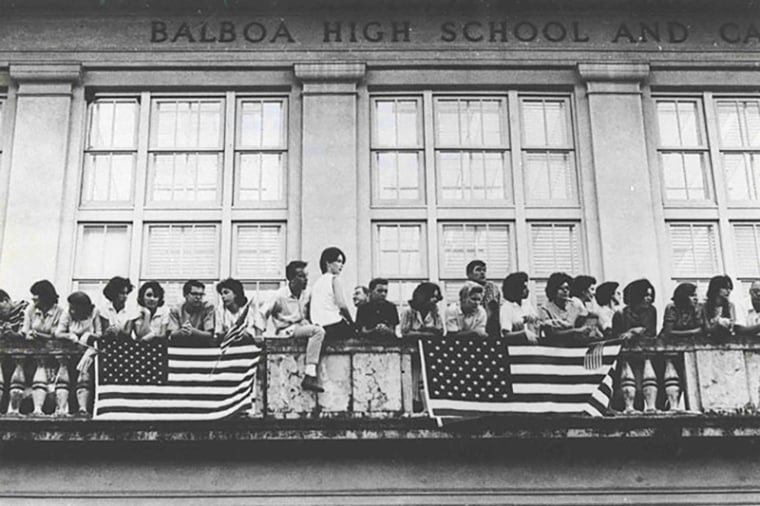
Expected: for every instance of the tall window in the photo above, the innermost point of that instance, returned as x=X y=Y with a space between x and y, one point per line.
x=181 y=187
x=476 y=176
x=708 y=149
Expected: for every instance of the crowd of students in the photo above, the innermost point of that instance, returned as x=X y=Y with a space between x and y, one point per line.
x=576 y=310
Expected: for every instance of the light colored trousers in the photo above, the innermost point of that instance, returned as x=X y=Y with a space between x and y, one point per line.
x=315 y=335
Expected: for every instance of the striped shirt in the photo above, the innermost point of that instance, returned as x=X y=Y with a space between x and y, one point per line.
x=15 y=316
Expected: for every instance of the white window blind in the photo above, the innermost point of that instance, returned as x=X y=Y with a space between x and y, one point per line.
x=694 y=249
x=555 y=247
x=747 y=245
x=463 y=242
x=103 y=251
x=400 y=251
x=259 y=251
x=181 y=251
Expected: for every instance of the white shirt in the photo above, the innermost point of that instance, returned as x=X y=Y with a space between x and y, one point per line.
x=324 y=309
x=159 y=318
x=119 y=319
x=512 y=315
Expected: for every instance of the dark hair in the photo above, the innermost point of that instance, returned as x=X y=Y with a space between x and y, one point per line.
x=158 y=291
x=424 y=291
x=377 y=281
x=682 y=293
x=605 y=291
x=292 y=267
x=635 y=291
x=513 y=285
x=556 y=279
x=189 y=284
x=4 y=295
x=82 y=301
x=472 y=265
x=716 y=283
x=115 y=286
x=235 y=287
x=45 y=290
x=580 y=284
x=330 y=255
x=363 y=288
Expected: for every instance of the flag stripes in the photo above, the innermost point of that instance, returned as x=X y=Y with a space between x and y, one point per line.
x=460 y=379
x=198 y=383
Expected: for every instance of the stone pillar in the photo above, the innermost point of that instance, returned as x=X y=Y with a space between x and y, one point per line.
x=627 y=223
x=37 y=174
x=329 y=162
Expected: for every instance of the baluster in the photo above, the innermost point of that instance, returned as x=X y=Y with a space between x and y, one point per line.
x=672 y=385
x=83 y=391
x=62 y=387
x=628 y=386
x=17 y=386
x=2 y=383
x=649 y=387
x=39 y=387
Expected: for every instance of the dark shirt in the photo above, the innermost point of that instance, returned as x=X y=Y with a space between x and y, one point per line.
x=15 y=316
x=374 y=312
x=626 y=319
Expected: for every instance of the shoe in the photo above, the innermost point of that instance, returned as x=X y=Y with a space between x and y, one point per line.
x=311 y=383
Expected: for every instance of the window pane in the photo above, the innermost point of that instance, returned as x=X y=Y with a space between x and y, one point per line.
x=679 y=123
x=261 y=124
x=107 y=178
x=739 y=180
x=188 y=123
x=261 y=177
x=472 y=176
x=694 y=250
x=181 y=251
x=398 y=176
x=399 y=251
x=728 y=124
x=260 y=251
x=469 y=122
x=189 y=177
x=463 y=243
x=549 y=176
x=555 y=247
x=103 y=252
x=747 y=242
x=534 y=123
x=113 y=124
x=688 y=120
x=397 y=123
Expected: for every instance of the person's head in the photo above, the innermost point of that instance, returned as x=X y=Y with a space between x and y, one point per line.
x=639 y=293
x=332 y=260
x=754 y=293
x=378 y=289
x=425 y=296
x=117 y=290
x=515 y=287
x=558 y=287
x=583 y=287
x=685 y=296
x=470 y=296
x=476 y=271
x=194 y=291
x=44 y=294
x=151 y=295
x=719 y=289
x=295 y=273
x=360 y=295
x=5 y=303
x=80 y=306
x=231 y=292
x=608 y=293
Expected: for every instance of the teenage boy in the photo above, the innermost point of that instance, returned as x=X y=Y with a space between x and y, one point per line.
x=476 y=272
x=194 y=318
x=467 y=317
x=288 y=311
x=378 y=317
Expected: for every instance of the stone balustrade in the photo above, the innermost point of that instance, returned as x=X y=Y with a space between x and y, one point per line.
x=373 y=379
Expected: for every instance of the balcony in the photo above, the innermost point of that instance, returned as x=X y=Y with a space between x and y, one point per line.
x=676 y=389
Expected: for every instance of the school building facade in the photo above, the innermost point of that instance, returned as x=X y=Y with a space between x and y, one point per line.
x=212 y=139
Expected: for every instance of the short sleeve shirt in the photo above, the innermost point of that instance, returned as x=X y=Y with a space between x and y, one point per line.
x=15 y=316
x=286 y=310
x=373 y=313
x=458 y=321
x=119 y=319
x=680 y=319
x=512 y=314
x=44 y=322
x=78 y=328
x=226 y=319
x=159 y=319
x=412 y=320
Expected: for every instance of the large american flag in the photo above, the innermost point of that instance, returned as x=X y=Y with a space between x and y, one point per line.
x=475 y=376
x=159 y=381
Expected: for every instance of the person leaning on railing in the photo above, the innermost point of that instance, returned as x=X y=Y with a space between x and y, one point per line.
x=236 y=309
x=44 y=313
x=193 y=320
x=639 y=316
x=718 y=312
x=748 y=317
x=154 y=320
x=683 y=316
x=517 y=316
x=558 y=316
x=467 y=317
x=608 y=298
x=11 y=315
x=118 y=317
